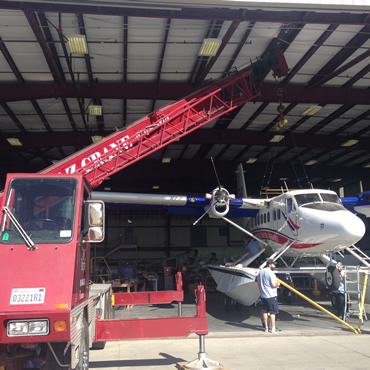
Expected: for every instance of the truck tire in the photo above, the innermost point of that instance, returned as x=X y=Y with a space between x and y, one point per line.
x=83 y=357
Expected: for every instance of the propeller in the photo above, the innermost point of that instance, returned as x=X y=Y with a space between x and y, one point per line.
x=219 y=200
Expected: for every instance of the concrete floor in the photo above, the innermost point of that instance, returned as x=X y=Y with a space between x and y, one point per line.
x=310 y=339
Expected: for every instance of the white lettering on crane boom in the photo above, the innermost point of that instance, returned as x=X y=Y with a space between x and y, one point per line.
x=94 y=157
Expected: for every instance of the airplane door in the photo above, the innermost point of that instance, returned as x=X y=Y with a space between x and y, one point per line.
x=276 y=215
x=291 y=211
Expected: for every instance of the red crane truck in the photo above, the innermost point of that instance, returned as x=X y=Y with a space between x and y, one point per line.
x=47 y=305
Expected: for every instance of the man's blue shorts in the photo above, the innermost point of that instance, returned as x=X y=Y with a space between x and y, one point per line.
x=270 y=305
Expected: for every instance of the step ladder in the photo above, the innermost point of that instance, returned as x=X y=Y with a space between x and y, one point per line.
x=359 y=254
x=353 y=293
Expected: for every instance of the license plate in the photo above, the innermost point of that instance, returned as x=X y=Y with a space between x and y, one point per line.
x=28 y=296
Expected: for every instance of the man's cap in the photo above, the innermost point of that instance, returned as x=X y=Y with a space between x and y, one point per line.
x=339 y=264
x=270 y=261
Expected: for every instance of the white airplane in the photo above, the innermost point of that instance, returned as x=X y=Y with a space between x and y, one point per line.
x=299 y=223
x=295 y=224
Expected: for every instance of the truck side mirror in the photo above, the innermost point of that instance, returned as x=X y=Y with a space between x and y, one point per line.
x=95 y=215
x=96 y=234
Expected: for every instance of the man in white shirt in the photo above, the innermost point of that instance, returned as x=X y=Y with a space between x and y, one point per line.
x=268 y=284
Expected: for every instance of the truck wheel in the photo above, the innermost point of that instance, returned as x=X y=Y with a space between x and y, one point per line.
x=332 y=278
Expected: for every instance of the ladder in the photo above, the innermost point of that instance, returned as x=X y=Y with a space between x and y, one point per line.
x=353 y=293
x=359 y=254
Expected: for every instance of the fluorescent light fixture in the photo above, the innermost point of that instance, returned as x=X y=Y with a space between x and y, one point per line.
x=367 y=165
x=96 y=139
x=349 y=143
x=251 y=160
x=283 y=178
x=77 y=44
x=277 y=138
x=155 y=187
x=311 y=162
x=166 y=160
x=312 y=110
x=107 y=189
x=107 y=178
x=209 y=47
x=14 y=141
x=336 y=180
x=95 y=110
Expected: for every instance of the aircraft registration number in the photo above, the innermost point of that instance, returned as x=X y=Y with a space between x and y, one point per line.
x=27 y=296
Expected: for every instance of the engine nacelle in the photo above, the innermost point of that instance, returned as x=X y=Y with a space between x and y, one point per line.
x=219 y=204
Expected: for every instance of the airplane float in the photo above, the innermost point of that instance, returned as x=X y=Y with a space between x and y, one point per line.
x=298 y=223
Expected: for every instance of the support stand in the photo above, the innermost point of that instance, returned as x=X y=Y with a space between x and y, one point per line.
x=202 y=362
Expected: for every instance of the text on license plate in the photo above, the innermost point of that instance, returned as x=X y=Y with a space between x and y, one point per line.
x=27 y=296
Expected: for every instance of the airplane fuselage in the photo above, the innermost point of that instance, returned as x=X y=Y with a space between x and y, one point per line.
x=315 y=222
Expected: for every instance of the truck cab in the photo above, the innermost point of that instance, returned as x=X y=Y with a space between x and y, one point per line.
x=47 y=224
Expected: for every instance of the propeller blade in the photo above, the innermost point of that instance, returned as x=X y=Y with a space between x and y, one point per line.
x=214 y=169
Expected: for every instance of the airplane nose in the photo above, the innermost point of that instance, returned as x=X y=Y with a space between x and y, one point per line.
x=354 y=227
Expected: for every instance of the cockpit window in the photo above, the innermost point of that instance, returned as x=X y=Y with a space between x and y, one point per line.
x=44 y=208
x=321 y=201
x=303 y=199
x=333 y=198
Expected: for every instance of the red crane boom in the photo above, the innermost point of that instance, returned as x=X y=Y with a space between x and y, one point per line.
x=166 y=125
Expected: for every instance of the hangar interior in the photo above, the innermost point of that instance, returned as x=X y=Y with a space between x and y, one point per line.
x=309 y=128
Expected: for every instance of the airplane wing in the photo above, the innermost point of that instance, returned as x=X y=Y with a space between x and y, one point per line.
x=216 y=204
x=178 y=204
x=358 y=204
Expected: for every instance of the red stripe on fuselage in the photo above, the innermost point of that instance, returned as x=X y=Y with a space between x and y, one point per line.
x=269 y=235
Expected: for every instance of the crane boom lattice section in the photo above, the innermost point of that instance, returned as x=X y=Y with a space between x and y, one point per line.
x=158 y=129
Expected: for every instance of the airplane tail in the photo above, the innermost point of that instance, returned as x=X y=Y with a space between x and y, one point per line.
x=241 y=191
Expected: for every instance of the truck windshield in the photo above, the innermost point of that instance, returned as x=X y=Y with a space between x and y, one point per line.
x=44 y=207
